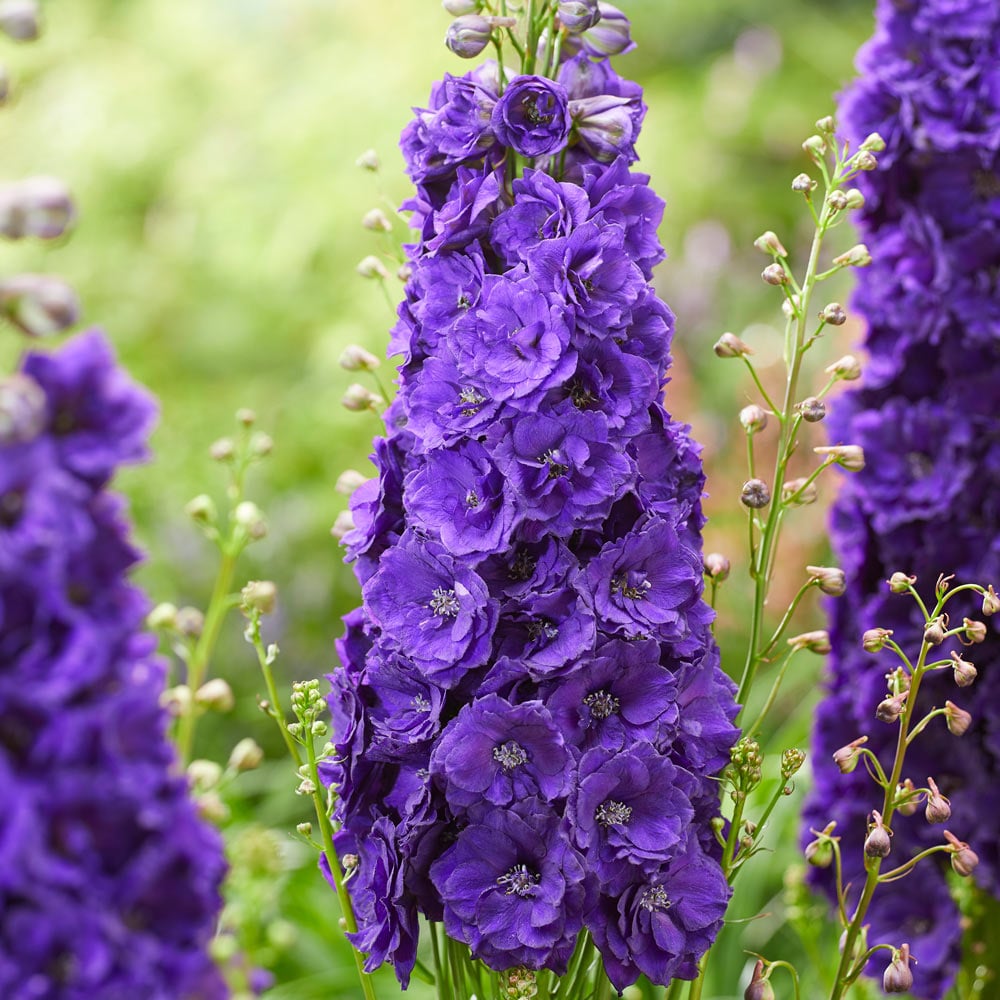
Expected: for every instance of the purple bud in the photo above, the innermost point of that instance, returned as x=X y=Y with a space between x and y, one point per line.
x=846 y=758
x=755 y=494
x=964 y=671
x=907 y=798
x=897 y=977
x=938 y=809
x=730 y=346
x=577 y=16
x=604 y=125
x=964 y=859
x=20 y=19
x=812 y=409
x=759 y=988
x=877 y=843
x=38 y=305
x=833 y=314
x=957 y=719
x=975 y=632
x=459 y=7
x=611 y=35
x=753 y=418
x=22 y=409
x=874 y=639
x=774 y=274
x=39 y=207
x=935 y=629
x=891 y=708
x=468 y=35
x=830 y=579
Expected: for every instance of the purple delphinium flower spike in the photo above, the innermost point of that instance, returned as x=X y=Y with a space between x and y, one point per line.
x=109 y=880
x=530 y=712
x=926 y=416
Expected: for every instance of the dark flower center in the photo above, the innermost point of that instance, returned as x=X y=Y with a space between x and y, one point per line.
x=582 y=396
x=420 y=703
x=612 y=813
x=444 y=603
x=11 y=506
x=510 y=755
x=463 y=300
x=472 y=499
x=920 y=464
x=631 y=585
x=472 y=399
x=602 y=704
x=523 y=566
x=551 y=459
x=539 y=627
x=63 y=422
x=654 y=897
x=533 y=113
x=986 y=184
x=519 y=881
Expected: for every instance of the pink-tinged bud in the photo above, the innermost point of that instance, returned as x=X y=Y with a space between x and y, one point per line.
x=39 y=206
x=816 y=642
x=189 y=622
x=850 y=457
x=349 y=480
x=874 y=639
x=343 y=525
x=991 y=603
x=847 y=757
x=819 y=852
x=799 y=492
x=874 y=143
x=803 y=184
x=753 y=418
x=847 y=368
x=938 y=808
x=890 y=709
x=857 y=256
x=812 y=409
x=372 y=267
x=260 y=595
x=837 y=200
x=770 y=244
x=611 y=36
x=38 y=305
x=468 y=35
x=20 y=20
x=830 y=579
x=759 y=988
x=355 y=358
x=246 y=755
x=717 y=566
x=730 y=346
x=459 y=7
x=865 y=161
x=900 y=583
x=897 y=977
x=957 y=719
x=774 y=274
x=376 y=221
x=358 y=398
x=23 y=409
x=755 y=494
x=877 y=843
x=934 y=630
x=907 y=798
x=826 y=125
x=215 y=695
x=578 y=16
x=834 y=315
x=964 y=671
x=964 y=859
x=975 y=632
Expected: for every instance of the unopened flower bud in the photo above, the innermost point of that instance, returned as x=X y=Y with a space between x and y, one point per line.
x=164 y=615
x=342 y=525
x=349 y=480
x=305 y=829
x=830 y=579
x=203 y=774
x=817 y=641
x=717 y=566
x=261 y=444
x=834 y=315
x=38 y=304
x=877 y=843
x=964 y=859
x=215 y=695
x=799 y=492
x=189 y=622
x=769 y=243
x=39 y=206
x=847 y=368
x=803 y=184
x=790 y=305
x=306 y=787
x=826 y=125
x=935 y=629
x=201 y=509
x=907 y=798
x=222 y=450
x=355 y=358
x=368 y=160
x=249 y=517
x=774 y=274
x=23 y=409
x=372 y=267
x=246 y=755
x=991 y=603
x=975 y=632
x=753 y=418
x=890 y=709
x=812 y=409
x=847 y=757
x=459 y=7
x=792 y=760
x=577 y=16
x=819 y=852
x=873 y=143
x=349 y=862
x=20 y=20
x=957 y=719
x=468 y=35
x=874 y=639
x=246 y=417
x=760 y=988
x=850 y=457
x=755 y=494
x=938 y=808
x=358 y=399
x=965 y=672
x=404 y=272
x=260 y=595
x=900 y=583
x=865 y=161
x=837 y=200
x=211 y=807
x=730 y=346
x=376 y=221
x=176 y=701
x=855 y=199
x=815 y=146
x=897 y=977
x=857 y=256
x=611 y=36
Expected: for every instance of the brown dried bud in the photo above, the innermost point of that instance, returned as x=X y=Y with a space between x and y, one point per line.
x=965 y=672
x=759 y=988
x=850 y=457
x=753 y=418
x=900 y=583
x=770 y=244
x=938 y=808
x=829 y=579
x=957 y=719
x=834 y=315
x=874 y=639
x=730 y=346
x=774 y=274
x=755 y=494
x=991 y=603
x=907 y=798
x=877 y=843
x=897 y=977
x=935 y=629
x=891 y=708
x=717 y=566
x=964 y=859
x=975 y=632
x=846 y=758
x=799 y=492
x=847 y=368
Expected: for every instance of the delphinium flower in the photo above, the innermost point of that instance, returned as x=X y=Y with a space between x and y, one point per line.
x=925 y=415
x=109 y=879
x=530 y=709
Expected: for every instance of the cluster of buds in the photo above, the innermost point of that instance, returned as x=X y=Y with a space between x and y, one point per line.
x=745 y=768
x=308 y=704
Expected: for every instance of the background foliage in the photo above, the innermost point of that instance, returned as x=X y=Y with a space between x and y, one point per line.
x=212 y=147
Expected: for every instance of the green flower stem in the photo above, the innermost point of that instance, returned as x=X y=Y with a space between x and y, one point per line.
x=924 y=723
x=760 y=387
x=783 y=624
x=778 y=795
x=276 y=711
x=899 y=872
x=790 y=969
x=773 y=694
x=440 y=970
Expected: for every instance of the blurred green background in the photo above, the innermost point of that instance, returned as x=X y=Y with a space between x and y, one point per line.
x=211 y=146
